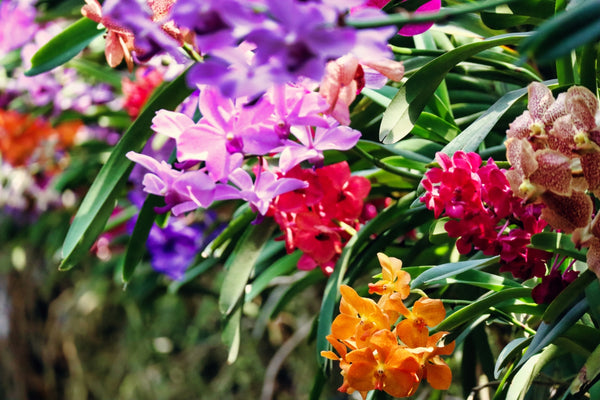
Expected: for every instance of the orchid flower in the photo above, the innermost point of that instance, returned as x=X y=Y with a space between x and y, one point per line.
x=311 y=148
x=264 y=189
x=183 y=191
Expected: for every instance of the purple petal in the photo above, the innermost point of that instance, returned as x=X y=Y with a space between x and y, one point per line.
x=171 y=124
x=338 y=138
x=293 y=154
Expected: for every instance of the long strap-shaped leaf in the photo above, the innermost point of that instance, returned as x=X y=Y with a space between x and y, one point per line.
x=546 y=333
x=64 y=46
x=404 y=110
x=99 y=201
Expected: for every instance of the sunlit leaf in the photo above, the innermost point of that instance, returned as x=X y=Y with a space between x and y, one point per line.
x=480 y=306
x=406 y=107
x=64 y=46
x=557 y=242
x=512 y=350
x=589 y=374
x=524 y=377
x=447 y=270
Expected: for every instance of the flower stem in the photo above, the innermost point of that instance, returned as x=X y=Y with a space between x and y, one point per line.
x=413 y=18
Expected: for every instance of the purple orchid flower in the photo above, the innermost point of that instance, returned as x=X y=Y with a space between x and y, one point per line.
x=311 y=148
x=300 y=40
x=174 y=247
x=183 y=191
x=224 y=135
x=297 y=106
x=18 y=25
x=171 y=123
x=217 y=24
x=266 y=187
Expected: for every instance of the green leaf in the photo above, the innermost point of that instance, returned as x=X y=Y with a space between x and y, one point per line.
x=504 y=20
x=511 y=351
x=406 y=107
x=310 y=279
x=192 y=273
x=443 y=271
x=97 y=72
x=240 y=263
x=480 y=279
x=382 y=96
x=480 y=306
x=432 y=127
x=569 y=30
x=592 y=293
x=243 y=216
x=403 y=162
x=94 y=209
x=232 y=334
x=64 y=46
x=524 y=377
x=281 y=267
x=556 y=242
x=136 y=247
x=546 y=333
x=402 y=19
x=589 y=374
x=470 y=139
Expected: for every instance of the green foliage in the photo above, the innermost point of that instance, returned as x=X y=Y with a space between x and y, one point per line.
x=465 y=82
x=64 y=46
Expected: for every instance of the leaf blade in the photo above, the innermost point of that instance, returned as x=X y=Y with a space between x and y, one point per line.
x=407 y=105
x=64 y=46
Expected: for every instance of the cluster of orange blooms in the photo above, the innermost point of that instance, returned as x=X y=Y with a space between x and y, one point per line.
x=375 y=354
x=21 y=135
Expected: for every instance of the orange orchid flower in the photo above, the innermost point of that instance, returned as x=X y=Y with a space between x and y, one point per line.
x=435 y=370
x=359 y=318
x=393 y=279
x=340 y=348
x=383 y=365
x=426 y=312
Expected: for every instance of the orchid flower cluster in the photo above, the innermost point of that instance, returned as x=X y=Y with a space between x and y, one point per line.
x=320 y=219
x=484 y=213
x=554 y=150
x=261 y=116
x=245 y=46
x=375 y=352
